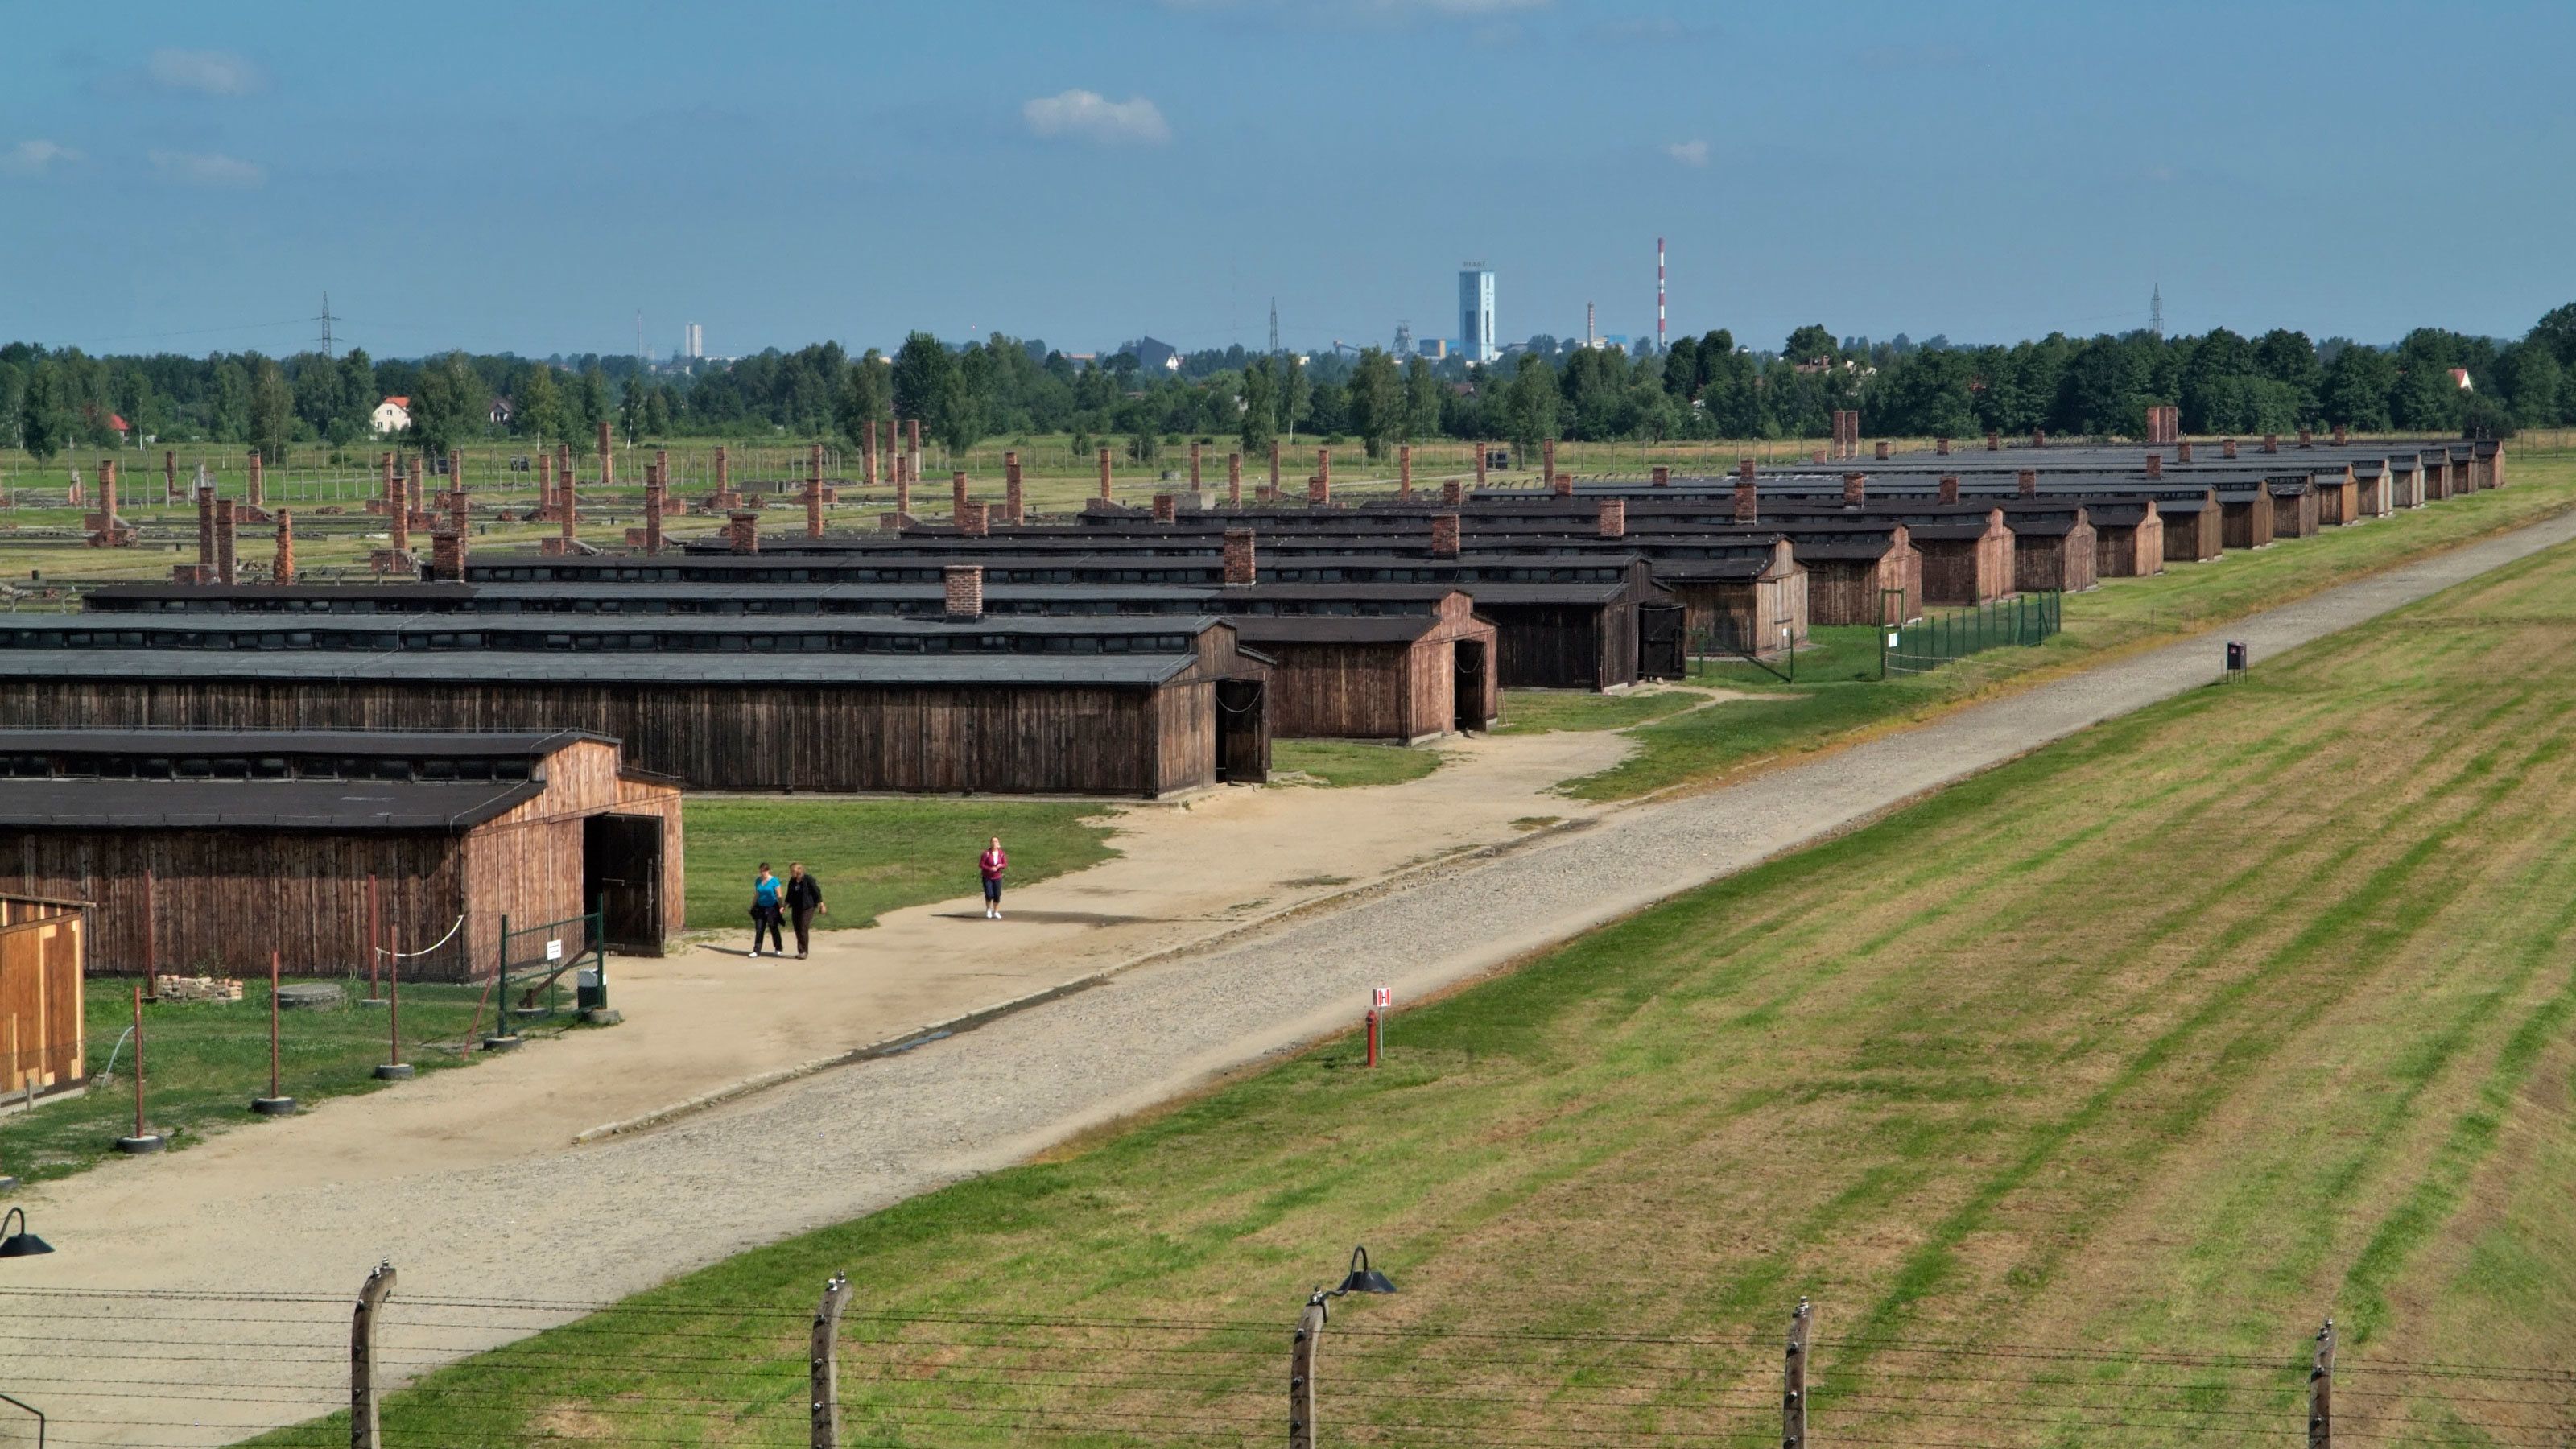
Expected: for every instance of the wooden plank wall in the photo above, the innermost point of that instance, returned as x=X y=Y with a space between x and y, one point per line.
x=41 y=1021
x=1550 y=646
x=2130 y=550
x=2056 y=561
x=2296 y=515
x=2195 y=537
x=1359 y=690
x=1088 y=740
x=2247 y=523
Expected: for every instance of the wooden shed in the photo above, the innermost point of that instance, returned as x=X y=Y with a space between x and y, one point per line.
x=1968 y=562
x=2245 y=516
x=1112 y=705
x=203 y=850
x=2294 y=507
x=1853 y=569
x=2055 y=552
x=2128 y=539
x=2195 y=527
x=43 y=956
x=1408 y=676
x=1738 y=604
x=1562 y=621
x=2338 y=497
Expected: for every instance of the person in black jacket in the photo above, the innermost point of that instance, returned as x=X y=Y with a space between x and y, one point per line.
x=804 y=898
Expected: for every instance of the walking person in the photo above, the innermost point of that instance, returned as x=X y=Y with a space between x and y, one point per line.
x=804 y=898
x=764 y=912
x=992 y=863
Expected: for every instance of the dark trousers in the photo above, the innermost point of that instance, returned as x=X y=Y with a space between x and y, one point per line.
x=765 y=919
x=803 y=916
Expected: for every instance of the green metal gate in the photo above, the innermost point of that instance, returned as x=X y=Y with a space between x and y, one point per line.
x=536 y=959
x=1936 y=639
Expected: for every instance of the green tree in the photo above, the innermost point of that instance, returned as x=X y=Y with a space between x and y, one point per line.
x=922 y=367
x=2357 y=385
x=1422 y=392
x=272 y=410
x=1375 y=398
x=864 y=392
x=2289 y=358
x=1260 y=413
x=2209 y=392
x=2556 y=330
x=1296 y=394
x=2532 y=379
x=541 y=406
x=1529 y=406
x=959 y=400
x=656 y=412
x=44 y=423
x=590 y=401
x=448 y=403
x=1810 y=343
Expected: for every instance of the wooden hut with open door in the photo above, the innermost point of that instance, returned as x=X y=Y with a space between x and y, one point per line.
x=43 y=1049
x=204 y=850
x=1370 y=661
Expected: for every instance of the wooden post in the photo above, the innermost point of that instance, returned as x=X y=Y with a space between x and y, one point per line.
x=273 y=1092
x=2321 y=1390
x=362 y=1357
x=825 y=1363
x=139 y=1133
x=1301 y=1374
x=1793 y=1396
x=375 y=938
x=150 y=955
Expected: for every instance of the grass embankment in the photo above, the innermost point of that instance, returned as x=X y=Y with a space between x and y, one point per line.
x=2170 y=1038
x=1340 y=763
x=204 y=1061
x=874 y=856
x=1838 y=691
x=1539 y=711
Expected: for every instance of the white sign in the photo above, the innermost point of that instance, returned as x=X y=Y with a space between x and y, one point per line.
x=1891 y=641
x=554 y=950
x=1382 y=997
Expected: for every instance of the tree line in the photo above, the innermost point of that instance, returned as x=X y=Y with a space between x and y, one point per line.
x=1704 y=387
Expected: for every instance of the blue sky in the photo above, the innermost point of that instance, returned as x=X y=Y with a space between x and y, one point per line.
x=526 y=176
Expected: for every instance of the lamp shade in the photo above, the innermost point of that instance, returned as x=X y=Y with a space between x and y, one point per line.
x=1362 y=1278
x=22 y=1243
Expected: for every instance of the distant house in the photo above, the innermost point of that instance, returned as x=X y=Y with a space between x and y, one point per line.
x=1151 y=354
x=502 y=412
x=393 y=415
x=2460 y=378
x=120 y=426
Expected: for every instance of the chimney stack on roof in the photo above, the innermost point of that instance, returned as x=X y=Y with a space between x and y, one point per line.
x=2039 y=437
x=281 y=570
x=1444 y=535
x=2271 y=442
x=742 y=531
x=1949 y=487
x=974 y=520
x=2155 y=464
x=1883 y=448
x=1994 y=440
x=1855 y=486
x=964 y=585
x=1941 y=446
x=2227 y=447
x=2027 y=483
x=2307 y=437
x=1167 y=509
x=2340 y=437
x=2182 y=452
x=1663 y=475
x=1240 y=548
x=956 y=492
x=1610 y=520
x=1452 y=492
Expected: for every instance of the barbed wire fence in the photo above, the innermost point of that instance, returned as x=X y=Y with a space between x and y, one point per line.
x=156 y=1369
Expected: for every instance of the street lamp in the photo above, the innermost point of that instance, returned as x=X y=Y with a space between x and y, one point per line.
x=22 y=1243
x=1310 y=1332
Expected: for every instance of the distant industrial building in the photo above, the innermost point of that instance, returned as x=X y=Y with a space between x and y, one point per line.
x=693 y=342
x=1476 y=339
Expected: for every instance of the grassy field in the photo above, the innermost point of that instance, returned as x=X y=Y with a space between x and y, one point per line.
x=1837 y=691
x=874 y=856
x=1539 y=711
x=2074 y=1096
x=1335 y=763
x=204 y=1061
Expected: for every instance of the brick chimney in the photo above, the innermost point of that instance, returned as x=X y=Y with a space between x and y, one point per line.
x=2039 y=437
x=1941 y=446
x=742 y=531
x=1452 y=492
x=868 y=455
x=974 y=520
x=170 y=475
x=1817 y=457
x=107 y=495
x=1194 y=465
x=2155 y=464
x=1241 y=565
x=1949 y=487
x=912 y=446
x=570 y=514
x=2340 y=437
x=1319 y=491
x=1324 y=468
x=2227 y=447
x=956 y=493
x=1611 y=518
x=1274 y=467
x=2182 y=452
x=1994 y=440
x=653 y=491
x=1167 y=509
x=607 y=455
x=814 y=498
x=964 y=585
x=2026 y=483
x=1662 y=475
x=1234 y=480
x=1480 y=463
x=282 y=569
x=724 y=473
x=1748 y=507
x=1444 y=535
x=224 y=542
x=2271 y=442
x=2307 y=437
x=398 y=506
x=814 y=466
x=446 y=554
x=1101 y=451
x=1883 y=446
x=456 y=470
x=902 y=491
x=1404 y=470
x=1561 y=486
x=385 y=490
x=1011 y=487
x=257 y=494
x=1855 y=486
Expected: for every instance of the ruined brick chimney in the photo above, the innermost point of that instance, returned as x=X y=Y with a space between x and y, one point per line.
x=281 y=570
x=1324 y=469
x=1444 y=535
x=965 y=590
x=1662 y=476
x=1167 y=509
x=1480 y=463
x=1240 y=556
x=2026 y=483
x=2307 y=437
x=2182 y=452
x=2340 y=437
x=912 y=446
x=742 y=531
x=655 y=487
x=256 y=496
x=169 y=476
x=1319 y=490
x=1404 y=470
x=1011 y=487
x=1949 y=487
x=868 y=455
x=1882 y=450
x=1274 y=467
x=1452 y=492
x=1994 y=440
x=974 y=520
x=2155 y=464
x=1234 y=480
x=224 y=573
x=724 y=477
x=607 y=455
x=2227 y=447
x=1101 y=451
x=956 y=492
x=1610 y=520
x=398 y=510
x=1855 y=487
x=446 y=554
x=1941 y=446
x=1194 y=465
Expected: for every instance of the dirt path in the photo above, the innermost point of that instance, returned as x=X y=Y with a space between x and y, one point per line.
x=630 y=1212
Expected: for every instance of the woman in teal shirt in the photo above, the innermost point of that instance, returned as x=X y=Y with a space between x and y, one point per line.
x=765 y=912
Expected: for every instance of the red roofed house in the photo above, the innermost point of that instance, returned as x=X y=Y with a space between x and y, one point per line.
x=393 y=415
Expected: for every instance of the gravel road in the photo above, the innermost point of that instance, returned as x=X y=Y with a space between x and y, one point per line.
x=601 y=1221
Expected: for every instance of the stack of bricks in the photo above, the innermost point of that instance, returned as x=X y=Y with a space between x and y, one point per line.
x=106 y=529
x=1319 y=491
x=742 y=531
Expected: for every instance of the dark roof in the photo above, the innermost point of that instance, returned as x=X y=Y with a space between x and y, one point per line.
x=1276 y=629
x=510 y=666
x=383 y=744
x=339 y=805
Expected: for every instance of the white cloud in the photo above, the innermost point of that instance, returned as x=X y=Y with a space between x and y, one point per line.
x=207 y=72
x=35 y=158
x=1081 y=115
x=1689 y=153
x=205 y=168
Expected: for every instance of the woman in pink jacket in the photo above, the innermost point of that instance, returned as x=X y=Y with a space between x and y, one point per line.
x=992 y=863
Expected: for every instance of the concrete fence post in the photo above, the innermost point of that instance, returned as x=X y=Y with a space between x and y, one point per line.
x=363 y=1431
x=1793 y=1393
x=825 y=1363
